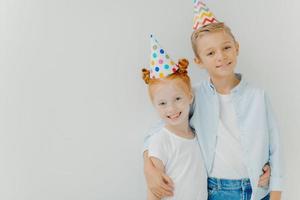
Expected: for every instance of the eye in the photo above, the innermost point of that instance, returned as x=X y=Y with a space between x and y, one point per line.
x=178 y=98
x=211 y=53
x=227 y=47
x=162 y=103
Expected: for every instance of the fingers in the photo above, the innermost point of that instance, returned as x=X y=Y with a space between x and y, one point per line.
x=266 y=172
x=263 y=183
x=161 y=192
x=158 y=194
x=165 y=188
x=267 y=169
x=151 y=196
x=168 y=181
x=166 y=193
x=264 y=180
x=264 y=176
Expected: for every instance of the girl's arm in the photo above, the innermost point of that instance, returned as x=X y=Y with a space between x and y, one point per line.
x=275 y=195
x=158 y=182
x=264 y=179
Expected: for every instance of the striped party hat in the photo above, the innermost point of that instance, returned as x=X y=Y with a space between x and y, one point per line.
x=202 y=15
x=161 y=65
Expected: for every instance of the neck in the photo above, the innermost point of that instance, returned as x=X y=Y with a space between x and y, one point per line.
x=224 y=85
x=182 y=130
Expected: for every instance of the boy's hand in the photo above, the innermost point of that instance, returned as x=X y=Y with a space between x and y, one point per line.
x=158 y=182
x=265 y=177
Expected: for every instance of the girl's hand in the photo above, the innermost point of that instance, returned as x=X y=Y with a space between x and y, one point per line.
x=158 y=182
x=265 y=177
x=275 y=195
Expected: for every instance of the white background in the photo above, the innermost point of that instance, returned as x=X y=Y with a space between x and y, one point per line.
x=74 y=110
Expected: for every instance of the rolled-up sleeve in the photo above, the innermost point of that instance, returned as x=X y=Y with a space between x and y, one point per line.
x=275 y=150
x=154 y=130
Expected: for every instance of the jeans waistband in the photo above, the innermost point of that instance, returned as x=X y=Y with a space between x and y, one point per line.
x=229 y=184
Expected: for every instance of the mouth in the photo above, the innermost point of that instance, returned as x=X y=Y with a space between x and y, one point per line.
x=223 y=65
x=175 y=116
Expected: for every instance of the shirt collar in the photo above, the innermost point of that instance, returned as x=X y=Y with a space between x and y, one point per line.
x=236 y=90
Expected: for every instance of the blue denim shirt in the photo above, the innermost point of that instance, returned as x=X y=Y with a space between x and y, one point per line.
x=258 y=128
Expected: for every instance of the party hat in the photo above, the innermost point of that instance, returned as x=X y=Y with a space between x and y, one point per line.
x=161 y=65
x=202 y=15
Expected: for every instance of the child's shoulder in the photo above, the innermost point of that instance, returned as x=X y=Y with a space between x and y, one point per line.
x=200 y=87
x=196 y=85
x=254 y=89
x=252 y=92
x=161 y=140
x=160 y=135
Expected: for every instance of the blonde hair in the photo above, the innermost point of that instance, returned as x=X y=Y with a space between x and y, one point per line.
x=180 y=74
x=210 y=28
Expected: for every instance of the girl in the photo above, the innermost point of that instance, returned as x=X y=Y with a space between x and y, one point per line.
x=175 y=150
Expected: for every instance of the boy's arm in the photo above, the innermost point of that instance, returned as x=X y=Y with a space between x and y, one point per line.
x=157 y=181
x=276 y=179
x=158 y=164
x=151 y=196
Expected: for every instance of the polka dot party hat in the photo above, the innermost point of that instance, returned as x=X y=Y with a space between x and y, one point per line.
x=161 y=65
x=202 y=15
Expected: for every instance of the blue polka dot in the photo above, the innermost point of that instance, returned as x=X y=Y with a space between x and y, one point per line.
x=166 y=66
x=157 y=69
x=162 y=51
x=154 y=55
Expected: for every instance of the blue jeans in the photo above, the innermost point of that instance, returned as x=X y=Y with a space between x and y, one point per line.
x=225 y=189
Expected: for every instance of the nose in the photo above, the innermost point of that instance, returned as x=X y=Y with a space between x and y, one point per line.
x=221 y=55
x=170 y=107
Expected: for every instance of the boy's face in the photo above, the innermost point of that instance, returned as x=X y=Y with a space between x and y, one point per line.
x=172 y=102
x=217 y=53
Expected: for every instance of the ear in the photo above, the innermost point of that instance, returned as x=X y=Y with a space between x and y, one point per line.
x=198 y=62
x=237 y=47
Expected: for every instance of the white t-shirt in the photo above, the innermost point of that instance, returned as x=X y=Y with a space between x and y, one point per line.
x=228 y=161
x=183 y=162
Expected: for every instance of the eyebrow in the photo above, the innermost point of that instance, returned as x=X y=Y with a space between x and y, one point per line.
x=227 y=42
x=208 y=49
x=161 y=100
x=211 y=48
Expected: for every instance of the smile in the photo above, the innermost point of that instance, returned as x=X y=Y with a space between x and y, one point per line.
x=225 y=65
x=175 y=116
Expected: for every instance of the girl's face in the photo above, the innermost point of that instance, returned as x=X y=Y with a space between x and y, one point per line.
x=172 y=102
